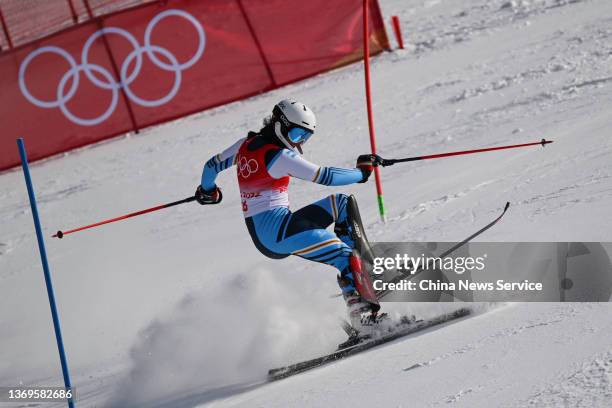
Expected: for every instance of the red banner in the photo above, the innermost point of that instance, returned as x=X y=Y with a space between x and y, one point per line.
x=157 y=62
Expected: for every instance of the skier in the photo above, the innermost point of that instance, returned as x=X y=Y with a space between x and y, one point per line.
x=265 y=162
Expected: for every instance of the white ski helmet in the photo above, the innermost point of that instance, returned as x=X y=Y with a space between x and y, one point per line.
x=294 y=123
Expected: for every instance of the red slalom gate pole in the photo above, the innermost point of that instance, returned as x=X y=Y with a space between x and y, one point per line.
x=60 y=234
x=397 y=29
x=366 y=60
x=389 y=162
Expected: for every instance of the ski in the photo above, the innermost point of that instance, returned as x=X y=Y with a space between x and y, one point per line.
x=413 y=327
x=402 y=275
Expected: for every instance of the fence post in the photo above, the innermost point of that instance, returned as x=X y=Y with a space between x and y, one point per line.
x=88 y=9
x=126 y=100
x=366 y=60
x=75 y=17
x=257 y=43
x=45 y=265
x=6 y=31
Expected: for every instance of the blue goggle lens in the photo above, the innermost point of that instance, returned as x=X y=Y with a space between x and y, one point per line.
x=299 y=135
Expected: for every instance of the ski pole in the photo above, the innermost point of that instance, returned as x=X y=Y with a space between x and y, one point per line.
x=390 y=162
x=60 y=234
x=380 y=294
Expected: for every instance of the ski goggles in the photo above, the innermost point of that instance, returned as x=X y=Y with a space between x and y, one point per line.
x=299 y=135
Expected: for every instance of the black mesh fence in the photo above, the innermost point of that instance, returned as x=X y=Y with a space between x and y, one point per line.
x=24 y=21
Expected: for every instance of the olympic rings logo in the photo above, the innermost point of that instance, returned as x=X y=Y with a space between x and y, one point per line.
x=64 y=96
x=246 y=168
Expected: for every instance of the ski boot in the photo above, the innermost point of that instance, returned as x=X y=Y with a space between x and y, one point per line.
x=355 y=304
x=363 y=313
x=356 y=307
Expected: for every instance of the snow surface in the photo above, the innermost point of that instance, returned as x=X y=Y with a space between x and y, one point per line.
x=178 y=308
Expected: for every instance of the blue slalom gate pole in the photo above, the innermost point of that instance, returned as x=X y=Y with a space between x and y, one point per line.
x=45 y=265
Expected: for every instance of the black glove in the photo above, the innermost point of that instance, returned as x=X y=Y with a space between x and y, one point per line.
x=213 y=196
x=366 y=163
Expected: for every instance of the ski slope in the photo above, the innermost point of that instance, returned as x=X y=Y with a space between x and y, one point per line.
x=500 y=358
x=178 y=309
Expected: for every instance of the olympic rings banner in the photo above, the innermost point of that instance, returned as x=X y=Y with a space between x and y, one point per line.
x=160 y=61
